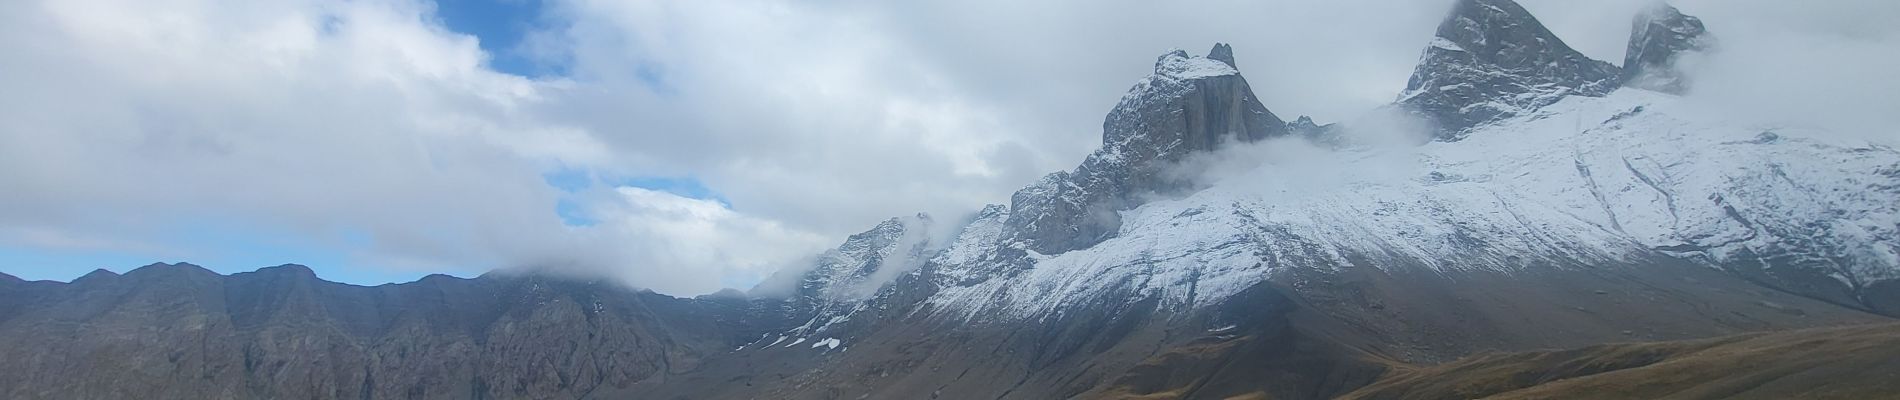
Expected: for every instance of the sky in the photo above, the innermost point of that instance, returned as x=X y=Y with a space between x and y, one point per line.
x=688 y=145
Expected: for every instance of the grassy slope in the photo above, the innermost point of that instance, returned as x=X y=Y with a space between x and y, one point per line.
x=1855 y=362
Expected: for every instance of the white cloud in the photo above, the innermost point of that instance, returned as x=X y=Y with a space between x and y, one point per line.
x=1818 y=66
x=134 y=122
x=672 y=230
x=1815 y=64
x=123 y=122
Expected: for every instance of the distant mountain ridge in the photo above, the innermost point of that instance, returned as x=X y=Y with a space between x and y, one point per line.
x=180 y=331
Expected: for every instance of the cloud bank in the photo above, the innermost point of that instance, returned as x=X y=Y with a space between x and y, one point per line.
x=367 y=128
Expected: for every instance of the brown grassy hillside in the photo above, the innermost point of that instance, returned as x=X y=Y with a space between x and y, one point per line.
x=1855 y=362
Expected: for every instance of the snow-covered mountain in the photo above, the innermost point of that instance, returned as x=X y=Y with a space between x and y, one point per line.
x=1645 y=177
x=1541 y=162
x=1567 y=188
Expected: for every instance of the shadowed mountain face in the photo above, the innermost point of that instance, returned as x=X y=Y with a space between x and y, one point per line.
x=1554 y=212
x=179 y=331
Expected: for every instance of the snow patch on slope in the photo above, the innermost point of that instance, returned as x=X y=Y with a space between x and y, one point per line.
x=1178 y=65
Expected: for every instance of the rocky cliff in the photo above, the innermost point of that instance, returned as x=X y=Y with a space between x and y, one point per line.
x=1190 y=104
x=1492 y=60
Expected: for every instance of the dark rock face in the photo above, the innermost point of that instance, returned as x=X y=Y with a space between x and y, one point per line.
x=1491 y=60
x=1190 y=104
x=1657 y=37
x=1223 y=53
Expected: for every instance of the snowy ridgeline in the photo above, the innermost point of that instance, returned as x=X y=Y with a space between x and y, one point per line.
x=1586 y=180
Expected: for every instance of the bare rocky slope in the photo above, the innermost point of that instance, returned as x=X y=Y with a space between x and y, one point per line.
x=1560 y=202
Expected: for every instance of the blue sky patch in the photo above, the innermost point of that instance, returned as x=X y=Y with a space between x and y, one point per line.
x=569 y=180
x=223 y=248
x=573 y=181
x=502 y=26
x=572 y=213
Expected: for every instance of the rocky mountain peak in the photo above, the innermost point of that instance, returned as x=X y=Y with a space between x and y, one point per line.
x=170 y=271
x=97 y=275
x=1658 y=36
x=1179 y=65
x=1304 y=127
x=1490 y=60
x=1223 y=53
x=297 y=270
x=865 y=261
x=1189 y=105
x=1208 y=99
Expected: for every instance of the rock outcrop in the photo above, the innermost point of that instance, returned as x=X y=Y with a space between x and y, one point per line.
x=1189 y=105
x=1223 y=53
x=1658 y=37
x=865 y=261
x=1492 y=60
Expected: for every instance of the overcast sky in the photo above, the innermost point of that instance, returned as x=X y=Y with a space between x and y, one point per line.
x=688 y=145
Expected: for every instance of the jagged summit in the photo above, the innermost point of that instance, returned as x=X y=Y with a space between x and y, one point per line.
x=1196 y=101
x=1658 y=36
x=1177 y=64
x=1223 y=53
x=865 y=261
x=1491 y=60
x=1325 y=135
x=1190 y=104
